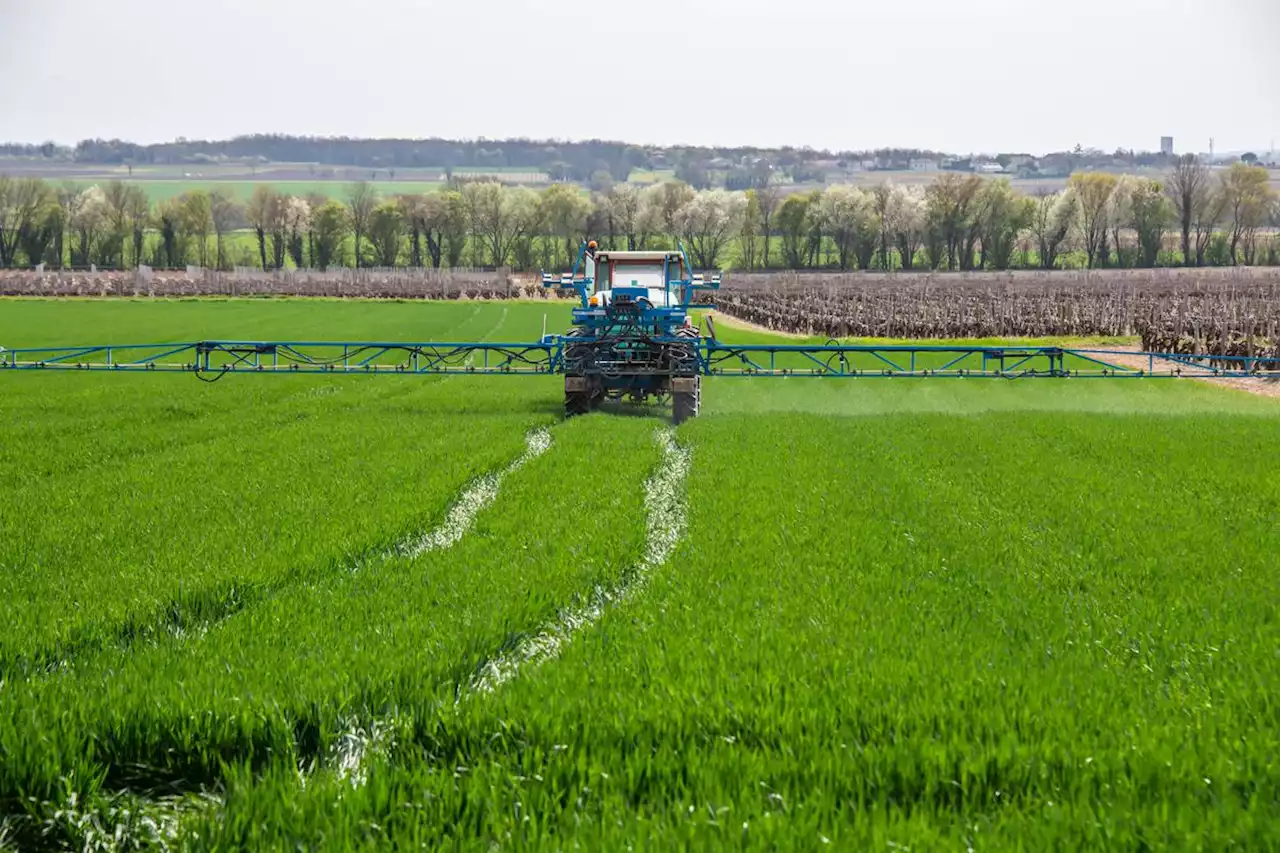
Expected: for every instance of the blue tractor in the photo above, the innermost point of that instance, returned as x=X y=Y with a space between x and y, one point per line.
x=632 y=335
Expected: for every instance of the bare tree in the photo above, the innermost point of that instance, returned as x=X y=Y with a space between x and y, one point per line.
x=8 y=227
x=768 y=196
x=749 y=238
x=362 y=199
x=708 y=221
x=21 y=201
x=173 y=237
x=89 y=216
x=1003 y=215
x=410 y=206
x=118 y=201
x=1120 y=218
x=848 y=214
x=69 y=198
x=668 y=198
x=197 y=221
x=429 y=217
x=498 y=216
x=952 y=201
x=1208 y=216
x=329 y=226
x=278 y=226
x=564 y=212
x=260 y=211
x=1150 y=212
x=454 y=228
x=225 y=213
x=1246 y=198
x=905 y=220
x=529 y=219
x=386 y=233
x=1188 y=189
x=652 y=216
x=1093 y=193
x=883 y=196
x=622 y=207
x=297 y=222
x=1051 y=224
x=138 y=211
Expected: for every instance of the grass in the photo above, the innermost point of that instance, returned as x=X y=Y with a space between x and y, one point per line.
x=920 y=613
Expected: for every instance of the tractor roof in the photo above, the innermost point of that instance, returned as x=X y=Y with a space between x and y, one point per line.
x=636 y=256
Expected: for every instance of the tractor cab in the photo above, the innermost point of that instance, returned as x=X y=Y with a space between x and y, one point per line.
x=635 y=276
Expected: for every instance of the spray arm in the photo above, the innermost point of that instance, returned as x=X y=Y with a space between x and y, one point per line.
x=570 y=279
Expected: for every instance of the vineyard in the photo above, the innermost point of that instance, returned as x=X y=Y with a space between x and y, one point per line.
x=362 y=283
x=1201 y=311
x=354 y=612
x=1219 y=312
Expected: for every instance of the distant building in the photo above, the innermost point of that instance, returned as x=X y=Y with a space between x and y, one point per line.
x=1166 y=146
x=988 y=168
x=919 y=164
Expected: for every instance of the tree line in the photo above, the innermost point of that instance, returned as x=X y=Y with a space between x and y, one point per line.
x=562 y=159
x=957 y=222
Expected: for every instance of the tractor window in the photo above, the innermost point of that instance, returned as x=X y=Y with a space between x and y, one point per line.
x=638 y=275
x=601 y=276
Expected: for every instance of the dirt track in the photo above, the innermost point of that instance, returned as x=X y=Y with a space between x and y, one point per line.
x=1263 y=386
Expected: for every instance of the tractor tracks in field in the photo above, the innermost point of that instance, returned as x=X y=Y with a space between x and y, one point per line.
x=665 y=522
x=200 y=611
x=470 y=502
x=364 y=740
x=125 y=817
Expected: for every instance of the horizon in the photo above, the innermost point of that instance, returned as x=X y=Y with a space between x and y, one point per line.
x=1269 y=148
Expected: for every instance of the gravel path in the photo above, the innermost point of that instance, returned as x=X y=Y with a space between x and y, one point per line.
x=1263 y=386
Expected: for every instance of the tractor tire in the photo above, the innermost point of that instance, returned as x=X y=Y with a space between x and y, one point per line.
x=686 y=398
x=684 y=357
x=582 y=394
x=577 y=403
x=575 y=355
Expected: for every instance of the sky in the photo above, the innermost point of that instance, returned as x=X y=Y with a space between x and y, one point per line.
x=962 y=76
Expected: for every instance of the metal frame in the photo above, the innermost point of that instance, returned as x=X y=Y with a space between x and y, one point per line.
x=948 y=360
x=547 y=357
x=362 y=357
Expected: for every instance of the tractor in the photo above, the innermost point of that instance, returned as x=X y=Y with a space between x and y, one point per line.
x=632 y=336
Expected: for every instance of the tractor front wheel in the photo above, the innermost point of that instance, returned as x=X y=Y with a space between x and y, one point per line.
x=582 y=394
x=686 y=398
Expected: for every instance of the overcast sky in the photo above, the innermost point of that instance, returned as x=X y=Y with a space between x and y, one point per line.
x=956 y=75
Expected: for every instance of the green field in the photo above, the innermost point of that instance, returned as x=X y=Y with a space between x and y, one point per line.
x=340 y=613
x=162 y=189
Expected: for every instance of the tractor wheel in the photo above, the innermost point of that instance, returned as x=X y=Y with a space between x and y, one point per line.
x=582 y=394
x=577 y=403
x=686 y=398
x=682 y=357
x=574 y=356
